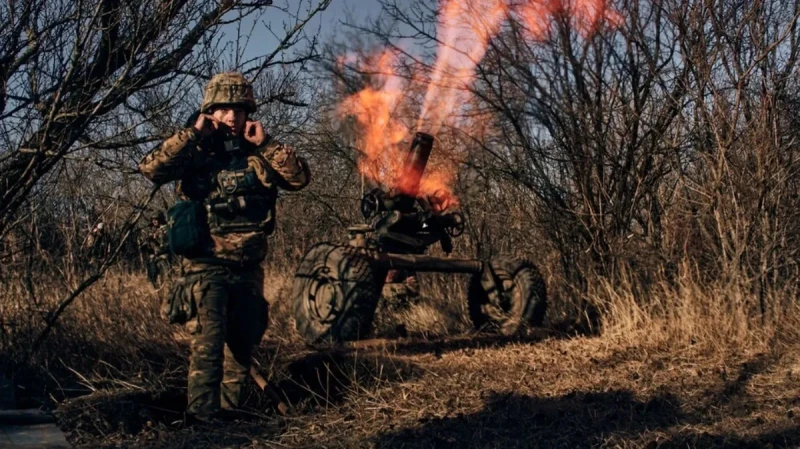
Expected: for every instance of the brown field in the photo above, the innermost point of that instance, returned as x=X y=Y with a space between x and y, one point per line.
x=644 y=154
x=697 y=374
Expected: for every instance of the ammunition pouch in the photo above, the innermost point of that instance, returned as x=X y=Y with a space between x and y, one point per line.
x=180 y=306
x=187 y=229
x=241 y=205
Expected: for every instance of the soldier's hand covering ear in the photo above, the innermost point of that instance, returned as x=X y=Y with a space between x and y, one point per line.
x=254 y=132
x=206 y=125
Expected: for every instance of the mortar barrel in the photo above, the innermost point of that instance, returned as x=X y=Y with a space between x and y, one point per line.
x=415 y=163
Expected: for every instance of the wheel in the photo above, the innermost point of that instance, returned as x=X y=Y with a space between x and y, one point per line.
x=335 y=292
x=518 y=301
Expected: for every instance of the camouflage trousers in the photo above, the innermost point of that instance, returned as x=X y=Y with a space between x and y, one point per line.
x=231 y=319
x=158 y=269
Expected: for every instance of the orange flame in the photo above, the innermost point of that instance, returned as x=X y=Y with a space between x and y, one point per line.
x=585 y=15
x=465 y=29
x=383 y=135
x=385 y=138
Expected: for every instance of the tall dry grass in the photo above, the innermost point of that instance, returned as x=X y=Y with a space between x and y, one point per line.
x=685 y=311
x=113 y=334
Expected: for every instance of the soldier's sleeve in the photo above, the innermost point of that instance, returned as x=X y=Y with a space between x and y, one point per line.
x=292 y=170
x=171 y=159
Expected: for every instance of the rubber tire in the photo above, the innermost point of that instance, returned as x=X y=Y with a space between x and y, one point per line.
x=344 y=274
x=525 y=303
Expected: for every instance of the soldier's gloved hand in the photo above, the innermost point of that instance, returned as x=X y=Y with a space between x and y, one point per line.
x=254 y=132
x=284 y=155
x=206 y=125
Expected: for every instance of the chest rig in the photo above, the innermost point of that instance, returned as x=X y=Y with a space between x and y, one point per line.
x=238 y=201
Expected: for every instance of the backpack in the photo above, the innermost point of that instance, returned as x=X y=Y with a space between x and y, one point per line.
x=187 y=229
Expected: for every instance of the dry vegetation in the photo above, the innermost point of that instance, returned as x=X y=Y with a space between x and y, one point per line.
x=650 y=169
x=699 y=374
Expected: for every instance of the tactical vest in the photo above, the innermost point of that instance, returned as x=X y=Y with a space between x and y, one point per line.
x=238 y=201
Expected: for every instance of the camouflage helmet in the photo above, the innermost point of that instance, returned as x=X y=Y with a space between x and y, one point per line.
x=228 y=88
x=158 y=216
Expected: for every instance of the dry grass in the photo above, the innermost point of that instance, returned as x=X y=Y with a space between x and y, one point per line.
x=687 y=366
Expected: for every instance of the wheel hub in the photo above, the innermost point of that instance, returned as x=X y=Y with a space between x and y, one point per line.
x=323 y=295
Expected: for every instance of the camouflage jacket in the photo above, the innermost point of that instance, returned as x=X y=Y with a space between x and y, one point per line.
x=195 y=164
x=153 y=240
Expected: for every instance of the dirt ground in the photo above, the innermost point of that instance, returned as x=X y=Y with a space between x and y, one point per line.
x=547 y=390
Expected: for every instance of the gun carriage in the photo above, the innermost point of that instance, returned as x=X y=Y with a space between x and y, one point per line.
x=336 y=288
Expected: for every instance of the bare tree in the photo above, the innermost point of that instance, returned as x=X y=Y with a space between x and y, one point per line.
x=648 y=135
x=81 y=78
x=741 y=186
x=86 y=88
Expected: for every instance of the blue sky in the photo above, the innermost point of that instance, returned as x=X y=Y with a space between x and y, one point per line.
x=262 y=41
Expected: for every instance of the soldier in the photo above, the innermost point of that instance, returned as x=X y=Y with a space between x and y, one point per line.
x=95 y=243
x=154 y=247
x=227 y=164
